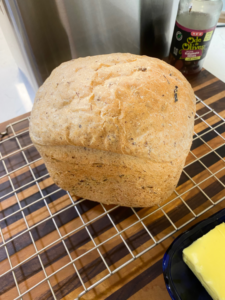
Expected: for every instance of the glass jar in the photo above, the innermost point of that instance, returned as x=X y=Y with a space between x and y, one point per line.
x=195 y=24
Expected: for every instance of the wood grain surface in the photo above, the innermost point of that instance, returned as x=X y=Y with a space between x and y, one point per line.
x=35 y=214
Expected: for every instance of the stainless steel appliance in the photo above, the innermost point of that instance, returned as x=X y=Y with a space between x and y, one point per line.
x=44 y=33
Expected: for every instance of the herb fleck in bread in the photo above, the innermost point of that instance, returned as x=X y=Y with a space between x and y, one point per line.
x=115 y=128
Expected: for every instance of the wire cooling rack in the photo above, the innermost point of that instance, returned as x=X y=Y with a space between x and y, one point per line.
x=49 y=240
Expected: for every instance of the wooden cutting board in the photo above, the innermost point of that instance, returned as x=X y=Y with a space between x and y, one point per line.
x=35 y=216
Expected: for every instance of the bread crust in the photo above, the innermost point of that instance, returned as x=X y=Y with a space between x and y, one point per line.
x=115 y=128
x=111 y=178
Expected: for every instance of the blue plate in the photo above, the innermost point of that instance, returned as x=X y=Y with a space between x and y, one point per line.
x=181 y=283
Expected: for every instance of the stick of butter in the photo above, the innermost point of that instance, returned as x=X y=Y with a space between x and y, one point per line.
x=205 y=257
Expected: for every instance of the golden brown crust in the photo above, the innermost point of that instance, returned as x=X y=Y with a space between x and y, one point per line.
x=121 y=103
x=111 y=178
x=115 y=128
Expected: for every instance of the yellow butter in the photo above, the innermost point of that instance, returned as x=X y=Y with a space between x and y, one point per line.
x=206 y=258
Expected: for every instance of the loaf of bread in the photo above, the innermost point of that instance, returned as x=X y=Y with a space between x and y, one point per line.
x=115 y=128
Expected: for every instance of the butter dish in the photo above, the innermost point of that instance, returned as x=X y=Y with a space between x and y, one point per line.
x=180 y=281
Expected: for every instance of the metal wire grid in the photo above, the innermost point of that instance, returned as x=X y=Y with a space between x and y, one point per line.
x=106 y=212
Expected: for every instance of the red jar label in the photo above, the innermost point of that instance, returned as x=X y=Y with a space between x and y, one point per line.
x=189 y=44
x=196 y=33
x=191 y=53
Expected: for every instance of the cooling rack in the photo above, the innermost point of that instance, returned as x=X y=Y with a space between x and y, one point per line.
x=52 y=245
